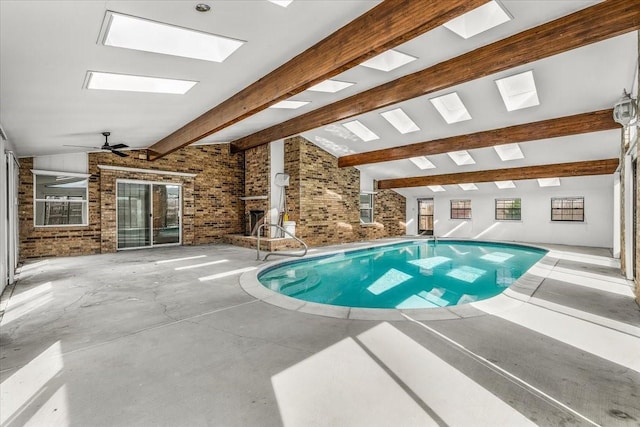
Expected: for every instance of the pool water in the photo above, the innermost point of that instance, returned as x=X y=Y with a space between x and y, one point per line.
x=419 y=274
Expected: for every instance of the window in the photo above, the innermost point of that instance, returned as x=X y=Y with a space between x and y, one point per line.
x=60 y=199
x=366 y=208
x=508 y=210
x=567 y=209
x=461 y=209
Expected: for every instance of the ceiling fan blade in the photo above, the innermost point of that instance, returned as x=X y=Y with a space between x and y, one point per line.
x=119 y=146
x=119 y=153
x=81 y=146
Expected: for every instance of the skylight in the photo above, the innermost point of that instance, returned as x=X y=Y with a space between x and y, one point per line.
x=518 y=91
x=422 y=162
x=131 y=83
x=131 y=32
x=509 y=152
x=289 y=105
x=283 y=3
x=361 y=131
x=462 y=158
x=505 y=184
x=478 y=20
x=330 y=86
x=549 y=182
x=436 y=188
x=389 y=60
x=468 y=187
x=399 y=120
x=451 y=108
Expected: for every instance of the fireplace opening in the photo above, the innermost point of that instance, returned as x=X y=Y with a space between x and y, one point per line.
x=255 y=219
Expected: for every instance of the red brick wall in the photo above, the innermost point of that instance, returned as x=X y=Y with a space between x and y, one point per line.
x=257 y=179
x=324 y=199
x=211 y=205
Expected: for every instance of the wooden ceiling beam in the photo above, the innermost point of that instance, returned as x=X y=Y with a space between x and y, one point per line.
x=553 y=128
x=590 y=25
x=387 y=25
x=559 y=170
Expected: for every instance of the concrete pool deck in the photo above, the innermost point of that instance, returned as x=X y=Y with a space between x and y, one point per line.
x=168 y=337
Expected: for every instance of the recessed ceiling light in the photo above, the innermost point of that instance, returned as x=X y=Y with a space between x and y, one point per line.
x=478 y=20
x=389 y=60
x=283 y=3
x=468 y=187
x=509 y=152
x=451 y=108
x=131 y=83
x=549 y=182
x=203 y=7
x=505 y=184
x=330 y=86
x=399 y=120
x=289 y=105
x=361 y=131
x=131 y=32
x=462 y=158
x=518 y=91
x=436 y=188
x=422 y=162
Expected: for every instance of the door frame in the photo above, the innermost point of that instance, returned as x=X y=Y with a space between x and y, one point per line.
x=151 y=184
x=433 y=204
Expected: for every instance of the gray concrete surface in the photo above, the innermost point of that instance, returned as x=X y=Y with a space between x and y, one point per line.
x=142 y=338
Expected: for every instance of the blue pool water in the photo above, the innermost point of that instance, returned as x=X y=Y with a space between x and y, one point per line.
x=418 y=274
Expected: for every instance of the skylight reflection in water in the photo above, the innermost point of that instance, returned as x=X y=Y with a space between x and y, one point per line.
x=418 y=274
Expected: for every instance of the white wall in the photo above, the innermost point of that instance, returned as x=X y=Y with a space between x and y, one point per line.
x=71 y=162
x=536 y=225
x=8 y=214
x=276 y=198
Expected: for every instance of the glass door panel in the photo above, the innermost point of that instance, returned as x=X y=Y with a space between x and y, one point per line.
x=425 y=216
x=134 y=212
x=166 y=214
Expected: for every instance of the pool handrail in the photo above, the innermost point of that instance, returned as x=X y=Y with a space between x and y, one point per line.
x=258 y=232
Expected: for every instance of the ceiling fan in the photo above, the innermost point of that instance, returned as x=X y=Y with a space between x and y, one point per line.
x=113 y=148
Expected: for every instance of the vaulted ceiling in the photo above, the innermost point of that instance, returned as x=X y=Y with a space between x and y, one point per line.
x=47 y=48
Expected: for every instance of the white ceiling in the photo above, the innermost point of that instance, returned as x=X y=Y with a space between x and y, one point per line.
x=46 y=48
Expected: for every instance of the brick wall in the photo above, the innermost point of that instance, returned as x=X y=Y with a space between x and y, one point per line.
x=257 y=179
x=324 y=199
x=211 y=205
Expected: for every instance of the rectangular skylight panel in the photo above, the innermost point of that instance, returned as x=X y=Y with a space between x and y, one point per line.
x=478 y=20
x=468 y=187
x=389 y=60
x=462 y=158
x=289 y=105
x=131 y=83
x=549 y=182
x=361 y=131
x=509 y=152
x=436 y=188
x=330 y=86
x=422 y=162
x=283 y=3
x=518 y=91
x=505 y=184
x=131 y=32
x=400 y=120
x=451 y=108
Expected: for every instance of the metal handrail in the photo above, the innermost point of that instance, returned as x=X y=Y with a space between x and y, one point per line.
x=306 y=248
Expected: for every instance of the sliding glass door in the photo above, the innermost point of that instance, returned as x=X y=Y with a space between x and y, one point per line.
x=149 y=214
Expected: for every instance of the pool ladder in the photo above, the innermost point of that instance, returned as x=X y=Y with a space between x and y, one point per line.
x=259 y=232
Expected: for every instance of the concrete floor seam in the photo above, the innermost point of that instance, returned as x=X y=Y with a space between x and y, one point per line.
x=506 y=374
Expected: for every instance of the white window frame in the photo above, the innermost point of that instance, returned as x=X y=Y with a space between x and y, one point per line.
x=369 y=208
x=85 y=202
